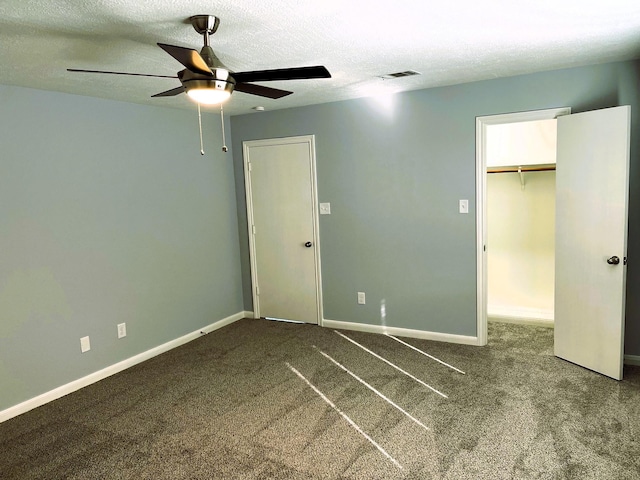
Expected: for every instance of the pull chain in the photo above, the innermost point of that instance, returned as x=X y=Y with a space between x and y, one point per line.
x=224 y=142
x=200 y=126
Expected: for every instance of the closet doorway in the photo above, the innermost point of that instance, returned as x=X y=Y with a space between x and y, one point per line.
x=591 y=206
x=509 y=145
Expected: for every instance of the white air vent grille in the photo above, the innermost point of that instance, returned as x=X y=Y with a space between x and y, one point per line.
x=406 y=73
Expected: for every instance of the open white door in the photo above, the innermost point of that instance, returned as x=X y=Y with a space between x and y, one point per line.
x=591 y=238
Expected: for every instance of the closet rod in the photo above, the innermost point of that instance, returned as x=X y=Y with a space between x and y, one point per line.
x=526 y=168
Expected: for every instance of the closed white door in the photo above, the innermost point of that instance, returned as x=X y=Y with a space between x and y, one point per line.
x=591 y=238
x=282 y=214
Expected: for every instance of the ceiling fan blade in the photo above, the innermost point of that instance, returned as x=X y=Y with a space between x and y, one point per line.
x=120 y=73
x=188 y=57
x=170 y=93
x=261 y=90
x=300 y=73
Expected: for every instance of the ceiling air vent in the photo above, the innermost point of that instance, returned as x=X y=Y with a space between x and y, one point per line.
x=407 y=73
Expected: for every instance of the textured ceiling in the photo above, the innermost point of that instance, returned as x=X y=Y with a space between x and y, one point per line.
x=449 y=42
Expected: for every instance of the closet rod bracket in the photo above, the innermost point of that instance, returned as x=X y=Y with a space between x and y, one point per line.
x=521 y=177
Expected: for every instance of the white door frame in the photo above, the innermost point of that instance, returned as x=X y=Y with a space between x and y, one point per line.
x=310 y=140
x=481 y=201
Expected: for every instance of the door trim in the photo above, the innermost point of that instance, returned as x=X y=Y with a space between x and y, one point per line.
x=481 y=201
x=246 y=145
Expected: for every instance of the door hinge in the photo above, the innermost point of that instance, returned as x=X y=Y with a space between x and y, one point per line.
x=257 y=290
x=249 y=165
x=253 y=229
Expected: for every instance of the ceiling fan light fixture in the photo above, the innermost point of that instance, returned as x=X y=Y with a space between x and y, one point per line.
x=208 y=96
x=209 y=91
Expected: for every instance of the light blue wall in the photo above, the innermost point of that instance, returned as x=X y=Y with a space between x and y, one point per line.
x=394 y=176
x=109 y=214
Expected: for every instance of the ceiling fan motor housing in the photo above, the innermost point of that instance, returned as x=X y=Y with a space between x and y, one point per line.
x=210 y=58
x=209 y=83
x=220 y=80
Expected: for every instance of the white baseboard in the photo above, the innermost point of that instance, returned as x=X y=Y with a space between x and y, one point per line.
x=521 y=315
x=115 y=368
x=535 y=322
x=401 y=332
x=632 y=360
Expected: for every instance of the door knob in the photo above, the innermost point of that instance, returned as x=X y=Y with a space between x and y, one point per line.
x=613 y=260
x=308 y=244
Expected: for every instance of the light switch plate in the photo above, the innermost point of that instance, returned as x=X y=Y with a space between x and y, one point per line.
x=85 y=344
x=464 y=206
x=325 y=209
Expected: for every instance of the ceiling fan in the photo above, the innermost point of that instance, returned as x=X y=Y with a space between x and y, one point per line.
x=208 y=81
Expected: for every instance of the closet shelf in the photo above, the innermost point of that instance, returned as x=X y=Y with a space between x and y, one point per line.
x=525 y=168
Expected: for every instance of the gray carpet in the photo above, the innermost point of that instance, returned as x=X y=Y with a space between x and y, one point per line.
x=231 y=405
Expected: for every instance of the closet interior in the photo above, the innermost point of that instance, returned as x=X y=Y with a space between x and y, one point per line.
x=521 y=160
